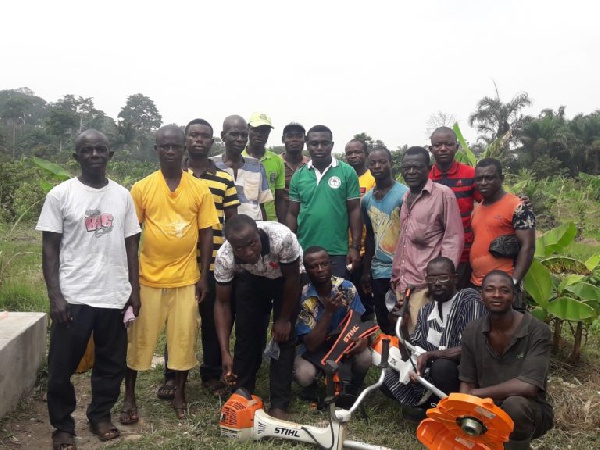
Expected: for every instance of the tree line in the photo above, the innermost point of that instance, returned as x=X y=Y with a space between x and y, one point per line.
x=546 y=145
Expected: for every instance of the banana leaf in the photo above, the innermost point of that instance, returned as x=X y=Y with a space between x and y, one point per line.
x=567 y=308
x=564 y=264
x=464 y=155
x=554 y=240
x=585 y=291
x=57 y=171
x=592 y=262
x=538 y=283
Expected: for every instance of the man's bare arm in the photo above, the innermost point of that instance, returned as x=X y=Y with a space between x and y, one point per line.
x=51 y=269
x=292 y=216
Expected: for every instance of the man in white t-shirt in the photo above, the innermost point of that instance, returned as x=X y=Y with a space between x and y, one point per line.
x=90 y=235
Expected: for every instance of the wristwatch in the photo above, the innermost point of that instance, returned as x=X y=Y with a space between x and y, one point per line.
x=355 y=247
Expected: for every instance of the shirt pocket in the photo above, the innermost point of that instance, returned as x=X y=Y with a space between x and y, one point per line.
x=252 y=189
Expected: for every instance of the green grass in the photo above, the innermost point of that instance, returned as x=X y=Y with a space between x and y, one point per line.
x=21 y=282
x=582 y=250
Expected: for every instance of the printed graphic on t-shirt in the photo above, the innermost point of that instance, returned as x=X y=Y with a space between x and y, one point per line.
x=98 y=223
x=334 y=182
x=386 y=229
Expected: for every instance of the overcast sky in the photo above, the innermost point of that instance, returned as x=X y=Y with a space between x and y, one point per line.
x=382 y=67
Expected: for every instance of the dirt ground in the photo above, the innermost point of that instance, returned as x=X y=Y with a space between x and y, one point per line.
x=29 y=427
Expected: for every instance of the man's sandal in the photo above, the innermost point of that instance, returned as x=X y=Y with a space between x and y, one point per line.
x=61 y=440
x=166 y=391
x=105 y=431
x=129 y=416
x=217 y=387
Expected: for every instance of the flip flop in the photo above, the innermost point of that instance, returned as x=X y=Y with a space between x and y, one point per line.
x=106 y=431
x=129 y=416
x=61 y=440
x=166 y=391
x=217 y=387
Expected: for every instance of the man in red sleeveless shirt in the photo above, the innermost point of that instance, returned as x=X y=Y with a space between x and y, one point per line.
x=461 y=179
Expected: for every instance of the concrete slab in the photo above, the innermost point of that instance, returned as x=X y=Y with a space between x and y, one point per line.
x=22 y=352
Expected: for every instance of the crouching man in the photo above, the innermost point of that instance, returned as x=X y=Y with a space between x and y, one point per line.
x=506 y=356
x=439 y=330
x=258 y=269
x=325 y=302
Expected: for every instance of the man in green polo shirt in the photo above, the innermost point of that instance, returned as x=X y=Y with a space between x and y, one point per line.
x=259 y=128
x=325 y=202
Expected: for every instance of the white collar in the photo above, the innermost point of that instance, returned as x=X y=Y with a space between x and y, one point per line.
x=334 y=163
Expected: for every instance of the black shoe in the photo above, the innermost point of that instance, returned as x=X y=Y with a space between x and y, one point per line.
x=309 y=393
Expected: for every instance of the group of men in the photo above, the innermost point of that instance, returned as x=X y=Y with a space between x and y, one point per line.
x=230 y=240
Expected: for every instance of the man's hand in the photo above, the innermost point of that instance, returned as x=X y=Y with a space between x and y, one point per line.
x=135 y=303
x=526 y=201
x=361 y=344
x=59 y=311
x=422 y=361
x=365 y=283
x=352 y=259
x=333 y=303
x=201 y=290
x=281 y=330
x=227 y=367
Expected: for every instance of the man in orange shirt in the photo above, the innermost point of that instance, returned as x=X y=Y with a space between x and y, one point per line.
x=500 y=214
x=177 y=211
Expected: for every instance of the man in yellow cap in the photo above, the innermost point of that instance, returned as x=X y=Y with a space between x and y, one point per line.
x=259 y=128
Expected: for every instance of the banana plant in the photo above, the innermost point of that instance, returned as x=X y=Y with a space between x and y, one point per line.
x=464 y=154
x=56 y=172
x=563 y=289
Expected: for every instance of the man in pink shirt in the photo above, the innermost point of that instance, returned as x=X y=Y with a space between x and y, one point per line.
x=431 y=227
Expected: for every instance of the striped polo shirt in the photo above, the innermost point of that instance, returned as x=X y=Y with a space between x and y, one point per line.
x=461 y=179
x=224 y=193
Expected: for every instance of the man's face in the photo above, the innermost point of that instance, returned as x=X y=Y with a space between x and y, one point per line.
x=170 y=148
x=199 y=140
x=441 y=282
x=246 y=245
x=355 y=154
x=487 y=181
x=293 y=140
x=93 y=153
x=318 y=267
x=443 y=147
x=258 y=136
x=415 y=170
x=235 y=138
x=498 y=293
x=319 y=145
x=379 y=164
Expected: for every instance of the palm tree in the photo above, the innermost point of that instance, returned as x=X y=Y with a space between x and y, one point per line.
x=494 y=118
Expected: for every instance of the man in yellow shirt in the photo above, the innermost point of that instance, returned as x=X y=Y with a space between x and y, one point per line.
x=177 y=211
x=356 y=155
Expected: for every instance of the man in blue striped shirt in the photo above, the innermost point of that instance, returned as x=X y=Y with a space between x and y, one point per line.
x=438 y=331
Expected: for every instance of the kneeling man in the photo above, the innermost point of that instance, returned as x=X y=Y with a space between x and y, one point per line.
x=506 y=356
x=325 y=302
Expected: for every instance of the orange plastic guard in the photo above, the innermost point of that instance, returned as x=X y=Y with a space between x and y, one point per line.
x=238 y=412
x=442 y=430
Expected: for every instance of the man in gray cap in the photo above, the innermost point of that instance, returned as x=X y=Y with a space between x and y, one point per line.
x=293 y=138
